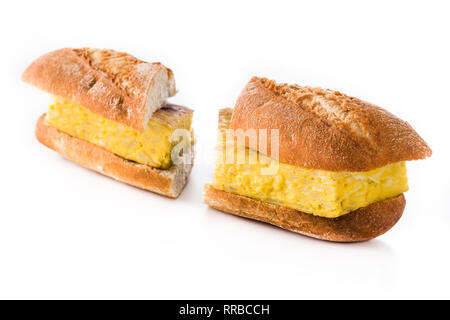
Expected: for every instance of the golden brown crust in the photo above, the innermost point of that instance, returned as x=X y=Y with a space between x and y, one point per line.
x=359 y=225
x=166 y=182
x=323 y=129
x=113 y=84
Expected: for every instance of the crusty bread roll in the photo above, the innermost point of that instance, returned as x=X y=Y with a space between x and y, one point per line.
x=320 y=129
x=324 y=129
x=168 y=182
x=118 y=87
x=359 y=225
x=113 y=84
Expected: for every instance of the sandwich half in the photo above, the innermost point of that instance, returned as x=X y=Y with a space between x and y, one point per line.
x=313 y=161
x=109 y=114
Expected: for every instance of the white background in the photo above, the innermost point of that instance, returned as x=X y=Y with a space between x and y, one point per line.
x=66 y=232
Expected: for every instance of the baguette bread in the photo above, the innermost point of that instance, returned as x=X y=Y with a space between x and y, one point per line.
x=113 y=84
x=165 y=182
x=324 y=129
x=359 y=225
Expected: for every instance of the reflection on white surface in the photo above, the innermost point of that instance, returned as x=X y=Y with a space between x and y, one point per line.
x=322 y=267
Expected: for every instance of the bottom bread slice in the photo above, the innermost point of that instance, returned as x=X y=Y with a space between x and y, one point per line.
x=168 y=182
x=359 y=225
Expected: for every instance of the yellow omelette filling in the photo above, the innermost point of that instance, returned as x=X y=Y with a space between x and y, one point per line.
x=319 y=192
x=151 y=147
